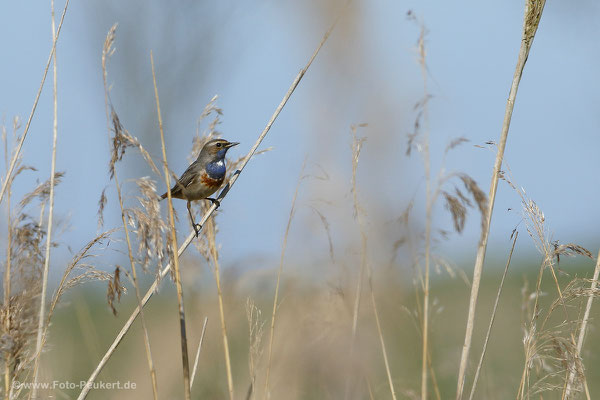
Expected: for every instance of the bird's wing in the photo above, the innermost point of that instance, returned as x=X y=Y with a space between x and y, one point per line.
x=187 y=178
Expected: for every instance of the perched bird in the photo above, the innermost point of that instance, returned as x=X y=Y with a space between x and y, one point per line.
x=204 y=177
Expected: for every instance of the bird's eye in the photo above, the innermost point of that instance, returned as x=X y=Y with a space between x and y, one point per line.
x=219 y=144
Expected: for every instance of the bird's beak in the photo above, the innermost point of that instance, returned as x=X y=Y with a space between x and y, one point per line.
x=231 y=144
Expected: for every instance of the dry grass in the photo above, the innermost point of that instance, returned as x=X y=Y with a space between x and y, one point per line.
x=323 y=339
x=118 y=148
x=533 y=13
x=175 y=259
x=365 y=263
x=266 y=393
x=552 y=360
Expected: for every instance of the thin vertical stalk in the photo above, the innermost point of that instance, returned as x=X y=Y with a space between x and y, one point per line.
x=365 y=266
x=533 y=13
x=356 y=147
x=105 y=56
x=276 y=296
x=38 y=346
x=184 y=351
x=380 y=333
x=489 y=331
x=7 y=279
x=529 y=342
x=210 y=234
x=584 y=323
x=15 y=157
x=429 y=200
x=198 y=353
x=355 y=309
x=420 y=312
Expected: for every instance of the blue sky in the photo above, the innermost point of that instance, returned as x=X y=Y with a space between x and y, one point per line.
x=249 y=54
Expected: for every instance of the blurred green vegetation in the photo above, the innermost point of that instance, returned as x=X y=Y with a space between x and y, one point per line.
x=311 y=357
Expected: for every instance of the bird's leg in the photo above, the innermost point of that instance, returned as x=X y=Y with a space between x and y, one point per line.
x=196 y=226
x=214 y=201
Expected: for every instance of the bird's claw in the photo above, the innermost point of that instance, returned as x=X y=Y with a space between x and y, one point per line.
x=197 y=228
x=214 y=201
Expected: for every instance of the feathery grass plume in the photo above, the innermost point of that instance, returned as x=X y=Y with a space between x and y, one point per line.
x=327 y=228
x=570 y=250
x=457 y=210
x=25 y=256
x=78 y=271
x=454 y=143
x=403 y=222
x=12 y=315
x=148 y=225
x=211 y=130
x=101 y=204
x=121 y=140
x=442 y=264
x=84 y=272
x=42 y=192
x=114 y=290
x=479 y=197
x=551 y=354
x=18 y=331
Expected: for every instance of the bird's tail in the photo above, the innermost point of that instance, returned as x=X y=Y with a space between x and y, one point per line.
x=164 y=196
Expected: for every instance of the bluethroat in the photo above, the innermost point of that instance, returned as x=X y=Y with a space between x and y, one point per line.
x=203 y=177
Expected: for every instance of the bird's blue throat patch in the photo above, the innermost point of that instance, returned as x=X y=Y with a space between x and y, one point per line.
x=216 y=169
x=221 y=153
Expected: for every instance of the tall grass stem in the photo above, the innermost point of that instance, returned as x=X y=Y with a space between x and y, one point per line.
x=42 y=311
x=212 y=244
x=184 y=350
x=584 y=323
x=15 y=157
x=489 y=331
x=533 y=13
x=198 y=352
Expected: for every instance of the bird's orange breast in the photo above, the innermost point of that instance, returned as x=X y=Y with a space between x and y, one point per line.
x=210 y=182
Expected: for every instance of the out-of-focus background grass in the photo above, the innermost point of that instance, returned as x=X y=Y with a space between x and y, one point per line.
x=312 y=337
x=367 y=72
